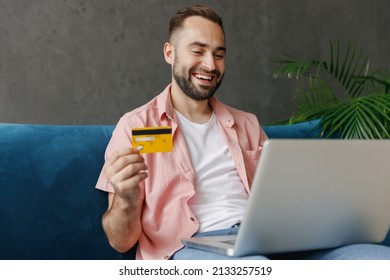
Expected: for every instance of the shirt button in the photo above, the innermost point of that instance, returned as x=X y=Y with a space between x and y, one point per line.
x=192 y=219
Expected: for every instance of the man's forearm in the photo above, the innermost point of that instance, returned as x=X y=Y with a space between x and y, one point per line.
x=122 y=225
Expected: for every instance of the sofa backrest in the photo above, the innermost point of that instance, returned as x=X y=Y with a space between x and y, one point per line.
x=49 y=207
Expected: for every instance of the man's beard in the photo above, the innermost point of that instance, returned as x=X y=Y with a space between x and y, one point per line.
x=188 y=87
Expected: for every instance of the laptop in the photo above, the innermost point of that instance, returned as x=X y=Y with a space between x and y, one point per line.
x=312 y=194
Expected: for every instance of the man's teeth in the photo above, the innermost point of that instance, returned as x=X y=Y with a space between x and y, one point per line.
x=204 y=77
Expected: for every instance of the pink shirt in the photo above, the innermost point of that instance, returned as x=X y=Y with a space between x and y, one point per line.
x=166 y=217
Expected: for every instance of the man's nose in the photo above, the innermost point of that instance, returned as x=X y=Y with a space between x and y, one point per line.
x=209 y=62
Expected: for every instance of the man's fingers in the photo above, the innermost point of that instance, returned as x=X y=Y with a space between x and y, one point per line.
x=120 y=153
x=126 y=172
x=121 y=159
x=131 y=184
x=125 y=169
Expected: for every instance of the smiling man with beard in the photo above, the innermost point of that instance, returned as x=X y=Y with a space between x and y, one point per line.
x=200 y=188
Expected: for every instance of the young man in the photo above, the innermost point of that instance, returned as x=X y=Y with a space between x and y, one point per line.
x=158 y=199
x=202 y=186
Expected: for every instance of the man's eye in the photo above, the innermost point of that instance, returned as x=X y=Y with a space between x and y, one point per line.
x=197 y=52
x=219 y=56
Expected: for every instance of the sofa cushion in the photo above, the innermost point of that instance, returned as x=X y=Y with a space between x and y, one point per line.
x=49 y=207
x=309 y=129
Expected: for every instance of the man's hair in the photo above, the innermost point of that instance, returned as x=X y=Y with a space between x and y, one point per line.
x=201 y=10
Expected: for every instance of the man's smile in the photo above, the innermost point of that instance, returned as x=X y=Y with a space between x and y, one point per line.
x=203 y=78
x=206 y=77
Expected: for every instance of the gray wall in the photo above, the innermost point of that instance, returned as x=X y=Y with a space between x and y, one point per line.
x=90 y=61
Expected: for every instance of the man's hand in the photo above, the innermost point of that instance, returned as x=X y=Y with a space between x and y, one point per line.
x=125 y=169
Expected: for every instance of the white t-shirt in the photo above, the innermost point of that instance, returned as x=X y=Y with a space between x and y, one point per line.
x=221 y=199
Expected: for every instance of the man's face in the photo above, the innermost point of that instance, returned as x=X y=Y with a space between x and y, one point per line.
x=199 y=62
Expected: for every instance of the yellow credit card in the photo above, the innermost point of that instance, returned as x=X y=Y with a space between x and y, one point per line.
x=152 y=139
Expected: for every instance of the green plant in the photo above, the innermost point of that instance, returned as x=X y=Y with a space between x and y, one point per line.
x=351 y=101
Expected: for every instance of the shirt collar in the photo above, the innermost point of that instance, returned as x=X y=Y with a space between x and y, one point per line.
x=222 y=113
x=164 y=104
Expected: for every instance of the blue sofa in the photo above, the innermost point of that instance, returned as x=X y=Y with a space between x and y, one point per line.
x=49 y=207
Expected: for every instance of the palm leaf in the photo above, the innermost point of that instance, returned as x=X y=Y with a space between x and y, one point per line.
x=380 y=78
x=345 y=69
x=313 y=100
x=354 y=107
x=349 y=68
x=293 y=67
x=364 y=117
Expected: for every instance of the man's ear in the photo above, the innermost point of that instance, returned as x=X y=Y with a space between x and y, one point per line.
x=169 y=53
